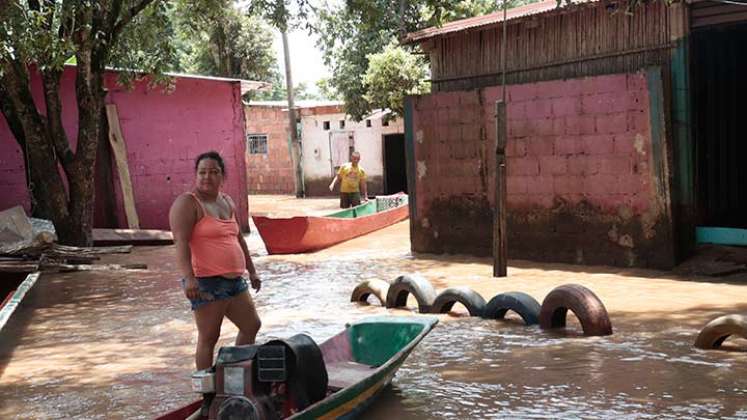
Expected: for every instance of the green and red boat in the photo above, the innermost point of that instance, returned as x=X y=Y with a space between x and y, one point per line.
x=293 y=235
x=296 y=379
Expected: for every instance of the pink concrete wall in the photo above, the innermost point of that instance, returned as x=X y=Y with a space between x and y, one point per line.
x=580 y=184
x=164 y=132
x=270 y=173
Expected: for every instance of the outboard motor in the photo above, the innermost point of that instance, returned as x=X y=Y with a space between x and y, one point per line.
x=263 y=382
x=306 y=373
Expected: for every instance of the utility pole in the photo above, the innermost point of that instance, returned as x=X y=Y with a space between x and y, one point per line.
x=295 y=145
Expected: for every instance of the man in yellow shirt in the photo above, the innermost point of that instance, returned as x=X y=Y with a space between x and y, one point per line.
x=352 y=182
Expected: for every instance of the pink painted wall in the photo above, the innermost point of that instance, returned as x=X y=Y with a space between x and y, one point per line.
x=164 y=132
x=581 y=183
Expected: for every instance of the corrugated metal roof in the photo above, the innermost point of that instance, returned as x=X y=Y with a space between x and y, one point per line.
x=488 y=20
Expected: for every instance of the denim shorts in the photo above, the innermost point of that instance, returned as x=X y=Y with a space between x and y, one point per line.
x=217 y=288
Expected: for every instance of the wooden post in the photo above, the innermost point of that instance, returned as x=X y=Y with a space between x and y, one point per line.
x=500 y=256
x=120 y=155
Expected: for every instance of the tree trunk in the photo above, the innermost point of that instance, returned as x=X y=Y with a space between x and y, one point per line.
x=89 y=89
x=46 y=190
x=47 y=150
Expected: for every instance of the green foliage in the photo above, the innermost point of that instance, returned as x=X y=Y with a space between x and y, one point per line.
x=393 y=74
x=49 y=34
x=358 y=29
x=326 y=90
x=283 y=14
x=229 y=44
x=146 y=45
x=31 y=36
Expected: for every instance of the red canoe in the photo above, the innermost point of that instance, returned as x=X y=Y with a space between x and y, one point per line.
x=292 y=235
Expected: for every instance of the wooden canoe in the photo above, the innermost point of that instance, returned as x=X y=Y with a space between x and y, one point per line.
x=292 y=235
x=360 y=362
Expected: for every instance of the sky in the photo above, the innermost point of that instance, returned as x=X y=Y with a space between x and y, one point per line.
x=306 y=59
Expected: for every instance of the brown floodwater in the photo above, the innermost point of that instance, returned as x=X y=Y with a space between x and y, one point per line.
x=120 y=344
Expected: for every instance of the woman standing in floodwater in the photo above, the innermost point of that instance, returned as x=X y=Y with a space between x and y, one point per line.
x=212 y=257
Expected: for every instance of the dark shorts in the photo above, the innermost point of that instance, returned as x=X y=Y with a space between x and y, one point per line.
x=217 y=288
x=350 y=200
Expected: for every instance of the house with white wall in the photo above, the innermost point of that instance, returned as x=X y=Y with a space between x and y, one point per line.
x=328 y=136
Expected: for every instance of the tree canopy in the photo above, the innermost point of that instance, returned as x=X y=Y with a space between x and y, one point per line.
x=393 y=74
x=351 y=33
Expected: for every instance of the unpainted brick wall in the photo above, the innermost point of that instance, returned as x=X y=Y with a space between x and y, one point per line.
x=270 y=173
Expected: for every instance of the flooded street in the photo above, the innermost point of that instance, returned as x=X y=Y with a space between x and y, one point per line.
x=120 y=344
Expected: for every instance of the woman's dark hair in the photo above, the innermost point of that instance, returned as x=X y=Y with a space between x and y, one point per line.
x=214 y=156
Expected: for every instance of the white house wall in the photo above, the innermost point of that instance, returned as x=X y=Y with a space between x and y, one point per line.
x=367 y=140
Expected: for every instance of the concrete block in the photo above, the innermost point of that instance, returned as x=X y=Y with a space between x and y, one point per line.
x=568 y=145
x=577 y=165
x=539 y=109
x=553 y=165
x=539 y=184
x=569 y=184
x=566 y=106
x=524 y=92
x=516 y=184
x=612 y=123
x=516 y=111
x=517 y=166
x=540 y=146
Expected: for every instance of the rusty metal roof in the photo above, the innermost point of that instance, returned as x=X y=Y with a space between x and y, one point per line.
x=488 y=20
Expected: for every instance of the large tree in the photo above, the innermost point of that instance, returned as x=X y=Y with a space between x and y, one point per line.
x=36 y=38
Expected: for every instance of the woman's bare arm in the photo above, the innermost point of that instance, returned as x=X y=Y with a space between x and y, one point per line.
x=182 y=218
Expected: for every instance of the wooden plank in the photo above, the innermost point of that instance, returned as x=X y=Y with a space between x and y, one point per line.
x=66 y=268
x=500 y=254
x=120 y=155
x=132 y=237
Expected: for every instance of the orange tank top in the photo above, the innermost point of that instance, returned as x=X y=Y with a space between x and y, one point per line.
x=214 y=247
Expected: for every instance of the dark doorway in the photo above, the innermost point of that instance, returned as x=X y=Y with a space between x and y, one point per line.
x=719 y=81
x=395 y=173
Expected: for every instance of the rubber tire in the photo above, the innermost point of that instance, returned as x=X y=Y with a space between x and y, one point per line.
x=472 y=300
x=419 y=287
x=718 y=330
x=589 y=310
x=376 y=287
x=526 y=306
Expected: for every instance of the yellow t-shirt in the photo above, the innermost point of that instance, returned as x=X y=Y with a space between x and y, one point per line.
x=351 y=178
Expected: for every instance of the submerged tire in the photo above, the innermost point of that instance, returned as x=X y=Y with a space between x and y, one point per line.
x=718 y=330
x=589 y=310
x=472 y=300
x=378 y=288
x=419 y=287
x=526 y=306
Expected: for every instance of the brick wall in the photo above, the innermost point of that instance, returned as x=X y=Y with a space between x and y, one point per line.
x=583 y=184
x=270 y=173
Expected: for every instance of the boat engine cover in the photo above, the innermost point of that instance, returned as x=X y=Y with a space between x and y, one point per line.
x=307 y=375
